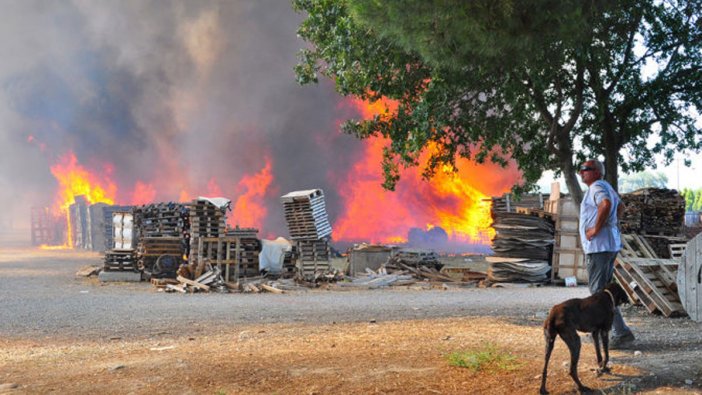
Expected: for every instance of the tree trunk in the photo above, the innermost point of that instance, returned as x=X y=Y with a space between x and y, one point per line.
x=572 y=182
x=611 y=151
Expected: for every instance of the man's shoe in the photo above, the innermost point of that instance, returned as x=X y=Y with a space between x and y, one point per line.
x=621 y=342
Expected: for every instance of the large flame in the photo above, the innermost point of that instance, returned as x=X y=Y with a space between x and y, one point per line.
x=455 y=201
x=249 y=210
x=75 y=180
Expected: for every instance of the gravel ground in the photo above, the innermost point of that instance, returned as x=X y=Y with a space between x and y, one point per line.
x=42 y=297
x=43 y=300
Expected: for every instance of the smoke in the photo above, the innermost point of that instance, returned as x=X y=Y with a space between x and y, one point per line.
x=178 y=99
x=171 y=96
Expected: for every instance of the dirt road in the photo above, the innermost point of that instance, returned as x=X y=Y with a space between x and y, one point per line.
x=62 y=334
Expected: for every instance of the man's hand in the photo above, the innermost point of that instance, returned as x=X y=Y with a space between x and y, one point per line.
x=602 y=214
x=590 y=233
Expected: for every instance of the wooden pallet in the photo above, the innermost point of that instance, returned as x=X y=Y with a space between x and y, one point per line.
x=651 y=282
x=677 y=251
x=635 y=246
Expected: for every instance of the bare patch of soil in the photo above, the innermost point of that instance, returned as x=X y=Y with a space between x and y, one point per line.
x=402 y=357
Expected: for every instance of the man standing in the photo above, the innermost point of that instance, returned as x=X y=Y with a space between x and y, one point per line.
x=599 y=234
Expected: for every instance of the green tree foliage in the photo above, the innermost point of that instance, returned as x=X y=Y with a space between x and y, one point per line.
x=693 y=199
x=545 y=83
x=645 y=179
x=697 y=204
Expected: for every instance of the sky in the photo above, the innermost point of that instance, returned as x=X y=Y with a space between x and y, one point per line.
x=679 y=175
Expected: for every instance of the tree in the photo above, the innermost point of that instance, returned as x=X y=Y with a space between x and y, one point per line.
x=689 y=196
x=644 y=179
x=545 y=83
x=697 y=205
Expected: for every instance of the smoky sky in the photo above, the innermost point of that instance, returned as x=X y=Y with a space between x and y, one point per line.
x=173 y=93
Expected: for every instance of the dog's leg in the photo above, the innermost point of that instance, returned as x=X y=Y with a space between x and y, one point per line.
x=572 y=339
x=596 y=341
x=550 y=340
x=605 y=346
x=598 y=335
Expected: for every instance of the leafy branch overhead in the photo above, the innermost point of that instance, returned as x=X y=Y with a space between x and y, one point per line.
x=543 y=83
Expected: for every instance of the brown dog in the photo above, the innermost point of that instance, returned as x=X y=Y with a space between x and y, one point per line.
x=593 y=314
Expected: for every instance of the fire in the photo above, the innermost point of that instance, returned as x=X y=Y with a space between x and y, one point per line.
x=75 y=180
x=456 y=202
x=143 y=193
x=248 y=210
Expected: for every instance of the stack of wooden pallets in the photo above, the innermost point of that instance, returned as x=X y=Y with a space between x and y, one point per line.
x=108 y=218
x=162 y=230
x=646 y=278
x=161 y=219
x=308 y=224
x=150 y=249
x=239 y=248
x=121 y=254
x=43 y=227
x=206 y=220
x=306 y=215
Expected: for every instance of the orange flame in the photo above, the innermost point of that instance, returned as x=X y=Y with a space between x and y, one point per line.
x=454 y=201
x=74 y=180
x=249 y=210
x=143 y=193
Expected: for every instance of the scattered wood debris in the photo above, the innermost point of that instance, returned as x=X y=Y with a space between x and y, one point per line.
x=87 y=271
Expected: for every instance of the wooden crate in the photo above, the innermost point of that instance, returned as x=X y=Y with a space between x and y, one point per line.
x=568 y=257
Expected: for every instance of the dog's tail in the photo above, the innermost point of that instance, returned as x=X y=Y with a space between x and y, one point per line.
x=550 y=326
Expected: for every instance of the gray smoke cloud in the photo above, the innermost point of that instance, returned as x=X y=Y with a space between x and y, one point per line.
x=173 y=93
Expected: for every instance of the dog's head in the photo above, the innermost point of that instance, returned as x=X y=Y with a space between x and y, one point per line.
x=618 y=293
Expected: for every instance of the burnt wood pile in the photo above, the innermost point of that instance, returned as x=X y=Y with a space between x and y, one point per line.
x=653 y=211
x=308 y=224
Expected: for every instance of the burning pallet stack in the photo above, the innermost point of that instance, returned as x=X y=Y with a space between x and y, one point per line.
x=162 y=231
x=45 y=229
x=308 y=223
x=78 y=216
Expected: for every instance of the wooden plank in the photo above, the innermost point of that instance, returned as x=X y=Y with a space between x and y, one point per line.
x=676 y=250
x=193 y=283
x=690 y=278
x=272 y=289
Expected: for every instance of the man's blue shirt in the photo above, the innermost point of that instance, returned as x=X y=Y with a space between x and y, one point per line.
x=608 y=239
